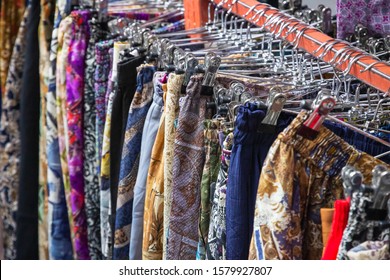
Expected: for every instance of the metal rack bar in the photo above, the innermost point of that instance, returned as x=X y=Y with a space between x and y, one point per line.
x=362 y=65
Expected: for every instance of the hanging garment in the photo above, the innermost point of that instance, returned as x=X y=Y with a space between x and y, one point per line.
x=359 y=229
x=1 y=234
x=151 y=126
x=105 y=205
x=209 y=179
x=102 y=78
x=107 y=217
x=299 y=177
x=171 y=111
x=359 y=141
x=216 y=245
x=251 y=146
x=27 y=240
x=59 y=230
x=11 y=16
x=105 y=192
x=64 y=38
x=10 y=143
x=188 y=165
x=130 y=159
x=127 y=83
x=152 y=248
x=103 y=67
x=45 y=30
x=91 y=177
x=373 y=14
x=74 y=110
x=340 y=220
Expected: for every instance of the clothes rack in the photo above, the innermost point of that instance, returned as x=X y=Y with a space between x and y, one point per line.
x=351 y=60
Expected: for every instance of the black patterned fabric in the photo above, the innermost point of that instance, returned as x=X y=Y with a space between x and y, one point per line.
x=91 y=178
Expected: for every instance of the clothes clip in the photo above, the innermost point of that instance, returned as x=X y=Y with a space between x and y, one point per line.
x=161 y=51
x=361 y=34
x=179 y=60
x=275 y=103
x=223 y=101
x=217 y=91
x=326 y=24
x=377 y=210
x=312 y=125
x=236 y=90
x=144 y=38
x=381 y=188
x=352 y=180
x=190 y=65
x=150 y=44
x=212 y=63
x=169 y=57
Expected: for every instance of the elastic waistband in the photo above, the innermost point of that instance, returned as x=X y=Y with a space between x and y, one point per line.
x=327 y=151
x=249 y=118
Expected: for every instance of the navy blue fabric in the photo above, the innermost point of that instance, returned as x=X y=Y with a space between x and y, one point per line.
x=359 y=141
x=251 y=145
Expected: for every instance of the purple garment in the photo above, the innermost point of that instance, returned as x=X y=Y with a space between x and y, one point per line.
x=373 y=14
x=75 y=73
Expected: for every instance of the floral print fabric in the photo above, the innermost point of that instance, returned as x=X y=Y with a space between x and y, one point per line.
x=59 y=230
x=64 y=37
x=373 y=14
x=74 y=108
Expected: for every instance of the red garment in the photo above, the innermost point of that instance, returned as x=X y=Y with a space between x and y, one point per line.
x=340 y=220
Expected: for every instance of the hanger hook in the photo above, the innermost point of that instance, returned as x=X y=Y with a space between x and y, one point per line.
x=220 y=4
x=372 y=65
x=231 y=5
x=251 y=9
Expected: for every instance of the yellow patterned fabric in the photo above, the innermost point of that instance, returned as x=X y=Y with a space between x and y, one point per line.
x=299 y=177
x=152 y=248
x=11 y=15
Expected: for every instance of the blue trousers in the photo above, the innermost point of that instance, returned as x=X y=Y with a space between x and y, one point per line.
x=251 y=144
